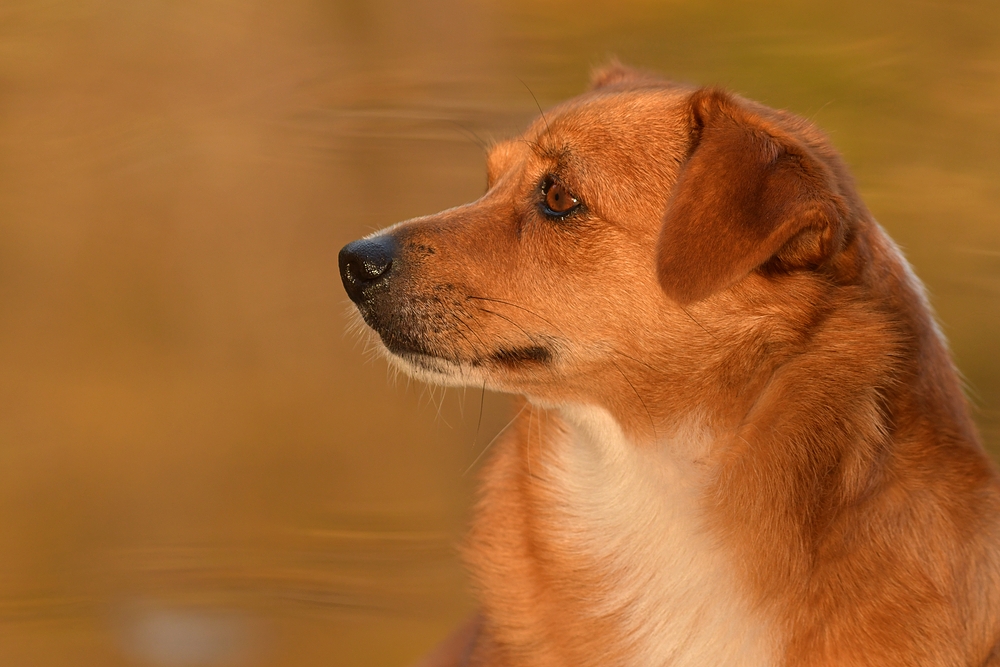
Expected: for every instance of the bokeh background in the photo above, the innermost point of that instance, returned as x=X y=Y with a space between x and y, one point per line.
x=197 y=465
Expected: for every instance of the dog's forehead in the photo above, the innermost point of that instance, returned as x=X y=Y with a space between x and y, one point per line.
x=604 y=125
x=640 y=128
x=614 y=117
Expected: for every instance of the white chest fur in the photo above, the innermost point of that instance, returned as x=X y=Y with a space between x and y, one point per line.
x=638 y=514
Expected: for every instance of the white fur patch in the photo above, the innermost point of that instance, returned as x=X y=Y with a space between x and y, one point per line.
x=637 y=512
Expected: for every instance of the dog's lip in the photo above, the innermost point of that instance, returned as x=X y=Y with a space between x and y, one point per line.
x=413 y=352
x=518 y=356
x=508 y=357
x=409 y=348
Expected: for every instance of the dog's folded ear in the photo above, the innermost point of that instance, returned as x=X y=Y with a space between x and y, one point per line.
x=749 y=194
x=615 y=74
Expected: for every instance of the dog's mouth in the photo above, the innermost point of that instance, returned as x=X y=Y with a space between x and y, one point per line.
x=436 y=360
x=504 y=357
x=438 y=338
x=520 y=356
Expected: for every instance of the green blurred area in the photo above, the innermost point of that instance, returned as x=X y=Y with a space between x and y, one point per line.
x=194 y=455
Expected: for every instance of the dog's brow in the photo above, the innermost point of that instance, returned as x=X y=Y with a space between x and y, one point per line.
x=559 y=154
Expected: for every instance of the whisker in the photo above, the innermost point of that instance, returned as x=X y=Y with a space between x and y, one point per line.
x=527 y=446
x=504 y=317
x=464 y=337
x=440 y=407
x=512 y=305
x=641 y=402
x=533 y=145
x=540 y=112
x=472 y=331
x=469 y=133
x=697 y=322
x=490 y=443
x=631 y=358
x=479 y=423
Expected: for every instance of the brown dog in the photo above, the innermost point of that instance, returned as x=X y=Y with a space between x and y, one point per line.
x=743 y=440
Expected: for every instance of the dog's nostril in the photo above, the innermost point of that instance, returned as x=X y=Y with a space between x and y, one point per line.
x=364 y=263
x=367 y=269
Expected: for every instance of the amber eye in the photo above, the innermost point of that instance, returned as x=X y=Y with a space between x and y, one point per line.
x=558 y=200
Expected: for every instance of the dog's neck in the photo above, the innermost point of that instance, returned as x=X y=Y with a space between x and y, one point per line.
x=683 y=446
x=638 y=515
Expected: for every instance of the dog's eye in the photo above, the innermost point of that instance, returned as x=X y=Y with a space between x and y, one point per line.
x=558 y=200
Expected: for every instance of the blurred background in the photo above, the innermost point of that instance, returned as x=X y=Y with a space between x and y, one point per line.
x=198 y=466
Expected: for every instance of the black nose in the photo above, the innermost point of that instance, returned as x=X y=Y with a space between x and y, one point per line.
x=366 y=263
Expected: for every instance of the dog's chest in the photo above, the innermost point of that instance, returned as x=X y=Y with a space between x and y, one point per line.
x=635 y=517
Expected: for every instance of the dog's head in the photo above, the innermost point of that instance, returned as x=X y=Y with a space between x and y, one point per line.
x=634 y=247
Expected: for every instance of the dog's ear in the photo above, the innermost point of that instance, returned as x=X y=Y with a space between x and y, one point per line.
x=748 y=195
x=617 y=74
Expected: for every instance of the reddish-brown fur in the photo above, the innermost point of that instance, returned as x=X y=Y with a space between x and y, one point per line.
x=726 y=299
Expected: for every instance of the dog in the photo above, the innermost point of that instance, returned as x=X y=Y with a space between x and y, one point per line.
x=741 y=441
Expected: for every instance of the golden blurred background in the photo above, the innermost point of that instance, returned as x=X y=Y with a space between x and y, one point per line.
x=197 y=465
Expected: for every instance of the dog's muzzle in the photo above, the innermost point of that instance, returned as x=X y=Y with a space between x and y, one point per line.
x=365 y=266
x=371 y=270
